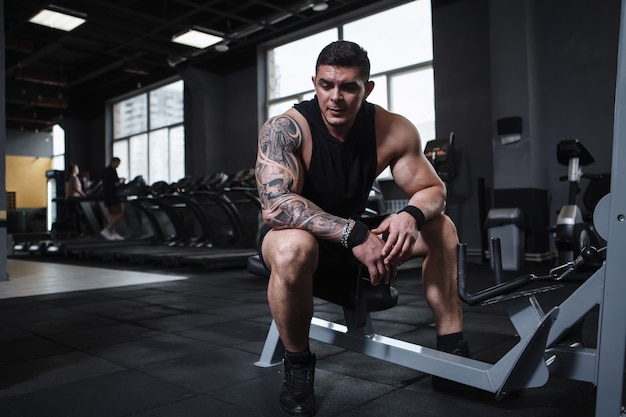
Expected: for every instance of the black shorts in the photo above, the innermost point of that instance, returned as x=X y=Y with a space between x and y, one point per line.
x=336 y=265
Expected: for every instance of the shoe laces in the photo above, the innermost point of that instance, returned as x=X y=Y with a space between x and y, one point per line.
x=299 y=377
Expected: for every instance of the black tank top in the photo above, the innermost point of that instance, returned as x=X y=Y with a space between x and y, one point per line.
x=340 y=174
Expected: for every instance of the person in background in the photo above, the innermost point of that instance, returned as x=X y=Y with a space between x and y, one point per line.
x=110 y=186
x=73 y=186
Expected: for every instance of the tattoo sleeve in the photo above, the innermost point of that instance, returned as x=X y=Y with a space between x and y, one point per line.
x=279 y=171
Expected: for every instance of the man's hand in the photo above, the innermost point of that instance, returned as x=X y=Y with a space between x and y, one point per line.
x=402 y=234
x=370 y=254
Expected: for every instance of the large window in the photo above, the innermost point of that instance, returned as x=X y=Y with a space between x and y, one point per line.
x=399 y=44
x=58 y=148
x=148 y=134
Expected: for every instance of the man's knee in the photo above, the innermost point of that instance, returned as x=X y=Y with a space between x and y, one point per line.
x=440 y=234
x=290 y=251
x=449 y=232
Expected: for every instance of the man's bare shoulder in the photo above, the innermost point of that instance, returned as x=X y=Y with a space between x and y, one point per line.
x=395 y=132
x=289 y=122
x=297 y=118
x=392 y=121
x=292 y=115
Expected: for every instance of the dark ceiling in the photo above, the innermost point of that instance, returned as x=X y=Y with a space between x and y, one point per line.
x=126 y=44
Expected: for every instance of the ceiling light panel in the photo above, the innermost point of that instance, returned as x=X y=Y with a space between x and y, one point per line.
x=319 y=6
x=57 y=20
x=197 y=39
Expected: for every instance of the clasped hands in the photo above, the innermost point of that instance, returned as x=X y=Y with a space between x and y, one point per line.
x=382 y=257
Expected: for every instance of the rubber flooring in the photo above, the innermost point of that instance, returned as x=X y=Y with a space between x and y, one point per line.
x=91 y=340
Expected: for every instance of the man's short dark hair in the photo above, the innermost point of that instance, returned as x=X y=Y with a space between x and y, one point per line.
x=115 y=159
x=345 y=54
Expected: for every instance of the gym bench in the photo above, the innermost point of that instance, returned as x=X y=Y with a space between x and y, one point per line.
x=528 y=364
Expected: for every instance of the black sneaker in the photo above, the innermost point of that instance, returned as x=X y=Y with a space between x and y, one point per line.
x=439 y=383
x=297 y=397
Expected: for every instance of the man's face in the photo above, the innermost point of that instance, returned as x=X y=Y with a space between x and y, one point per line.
x=340 y=91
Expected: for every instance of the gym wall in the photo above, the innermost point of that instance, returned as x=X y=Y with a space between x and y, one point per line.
x=28 y=157
x=26 y=176
x=552 y=63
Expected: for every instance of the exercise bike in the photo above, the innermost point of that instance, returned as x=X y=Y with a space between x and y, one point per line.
x=574 y=229
x=441 y=154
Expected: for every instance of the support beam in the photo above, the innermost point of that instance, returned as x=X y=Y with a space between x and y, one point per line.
x=612 y=331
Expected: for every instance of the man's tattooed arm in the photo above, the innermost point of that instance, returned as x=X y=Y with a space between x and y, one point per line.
x=278 y=173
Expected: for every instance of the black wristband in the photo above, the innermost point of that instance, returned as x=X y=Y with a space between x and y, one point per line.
x=417 y=214
x=358 y=234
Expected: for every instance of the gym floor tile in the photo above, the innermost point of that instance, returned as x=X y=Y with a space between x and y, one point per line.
x=6 y=411
x=209 y=370
x=229 y=333
x=363 y=367
x=200 y=406
x=18 y=346
x=71 y=323
x=51 y=371
x=151 y=350
x=181 y=322
x=112 y=395
x=102 y=336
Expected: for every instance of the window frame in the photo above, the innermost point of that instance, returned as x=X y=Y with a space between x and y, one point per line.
x=264 y=102
x=126 y=168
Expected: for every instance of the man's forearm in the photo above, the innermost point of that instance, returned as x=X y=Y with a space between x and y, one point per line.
x=431 y=201
x=292 y=211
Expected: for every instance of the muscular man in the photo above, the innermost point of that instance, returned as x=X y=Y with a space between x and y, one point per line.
x=315 y=166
